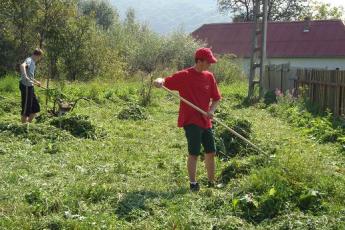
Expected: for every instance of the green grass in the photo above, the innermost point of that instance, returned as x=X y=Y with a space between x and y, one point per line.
x=131 y=174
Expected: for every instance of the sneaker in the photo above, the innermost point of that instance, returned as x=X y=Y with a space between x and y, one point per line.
x=210 y=184
x=194 y=187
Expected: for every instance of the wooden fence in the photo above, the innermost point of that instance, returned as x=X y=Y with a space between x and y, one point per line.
x=326 y=88
x=280 y=77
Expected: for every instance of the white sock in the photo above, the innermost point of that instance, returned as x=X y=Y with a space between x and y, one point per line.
x=193 y=183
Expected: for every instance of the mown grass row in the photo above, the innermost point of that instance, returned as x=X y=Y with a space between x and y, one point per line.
x=130 y=174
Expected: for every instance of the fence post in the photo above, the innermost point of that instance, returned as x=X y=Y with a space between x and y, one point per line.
x=269 y=77
x=337 y=93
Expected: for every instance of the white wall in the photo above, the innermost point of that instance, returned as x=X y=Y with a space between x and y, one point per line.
x=317 y=63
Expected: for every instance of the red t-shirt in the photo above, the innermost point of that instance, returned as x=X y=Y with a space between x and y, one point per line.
x=200 y=88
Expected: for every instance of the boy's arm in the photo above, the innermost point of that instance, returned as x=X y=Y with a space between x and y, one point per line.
x=173 y=82
x=213 y=108
x=216 y=97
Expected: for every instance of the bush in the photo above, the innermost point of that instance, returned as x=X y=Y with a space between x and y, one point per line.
x=320 y=127
x=9 y=84
x=227 y=70
x=270 y=98
x=178 y=50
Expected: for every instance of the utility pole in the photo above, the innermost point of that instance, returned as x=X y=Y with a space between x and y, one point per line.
x=258 y=54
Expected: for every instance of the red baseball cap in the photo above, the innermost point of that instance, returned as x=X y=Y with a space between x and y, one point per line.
x=205 y=54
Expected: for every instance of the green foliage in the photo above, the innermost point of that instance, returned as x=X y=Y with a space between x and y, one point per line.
x=132 y=112
x=227 y=143
x=9 y=84
x=299 y=220
x=178 y=50
x=8 y=106
x=150 y=52
x=17 y=30
x=320 y=127
x=147 y=54
x=228 y=70
x=77 y=125
x=310 y=200
x=104 y=14
x=324 y=11
x=280 y=10
x=235 y=169
x=270 y=98
x=34 y=133
x=135 y=177
x=86 y=40
x=146 y=91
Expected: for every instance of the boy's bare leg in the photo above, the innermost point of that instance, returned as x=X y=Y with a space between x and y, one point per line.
x=31 y=117
x=191 y=165
x=24 y=119
x=210 y=166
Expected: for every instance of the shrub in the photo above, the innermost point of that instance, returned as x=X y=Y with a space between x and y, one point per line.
x=320 y=127
x=270 y=97
x=227 y=70
x=9 y=84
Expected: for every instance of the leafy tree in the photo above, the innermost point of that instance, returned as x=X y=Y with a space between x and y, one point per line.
x=102 y=11
x=278 y=10
x=178 y=50
x=51 y=23
x=324 y=11
x=17 y=26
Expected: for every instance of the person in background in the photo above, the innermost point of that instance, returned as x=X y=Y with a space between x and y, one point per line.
x=29 y=102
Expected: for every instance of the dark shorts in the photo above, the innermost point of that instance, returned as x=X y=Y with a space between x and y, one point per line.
x=196 y=136
x=30 y=103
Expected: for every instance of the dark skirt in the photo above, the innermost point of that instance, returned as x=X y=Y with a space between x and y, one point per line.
x=30 y=103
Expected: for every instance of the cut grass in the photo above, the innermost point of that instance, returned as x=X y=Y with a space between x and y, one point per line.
x=135 y=176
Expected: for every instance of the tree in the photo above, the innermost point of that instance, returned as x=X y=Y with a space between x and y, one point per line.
x=51 y=22
x=102 y=11
x=17 y=26
x=324 y=11
x=278 y=10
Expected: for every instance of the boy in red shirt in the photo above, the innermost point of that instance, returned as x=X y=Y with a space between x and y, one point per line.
x=198 y=86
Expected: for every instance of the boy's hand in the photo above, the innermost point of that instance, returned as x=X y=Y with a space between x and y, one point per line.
x=38 y=83
x=159 y=82
x=210 y=114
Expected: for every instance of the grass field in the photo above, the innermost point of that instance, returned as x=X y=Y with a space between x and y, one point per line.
x=111 y=173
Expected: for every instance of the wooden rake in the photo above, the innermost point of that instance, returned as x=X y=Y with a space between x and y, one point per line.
x=216 y=120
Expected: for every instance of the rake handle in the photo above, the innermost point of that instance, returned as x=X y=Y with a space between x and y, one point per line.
x=214 y=118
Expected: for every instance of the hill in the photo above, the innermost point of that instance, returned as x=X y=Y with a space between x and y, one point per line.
x=166 y=16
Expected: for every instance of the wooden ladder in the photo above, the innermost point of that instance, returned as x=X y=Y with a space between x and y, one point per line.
x=258 y=52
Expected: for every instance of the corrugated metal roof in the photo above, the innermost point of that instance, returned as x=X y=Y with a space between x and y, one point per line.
x=326 y=38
